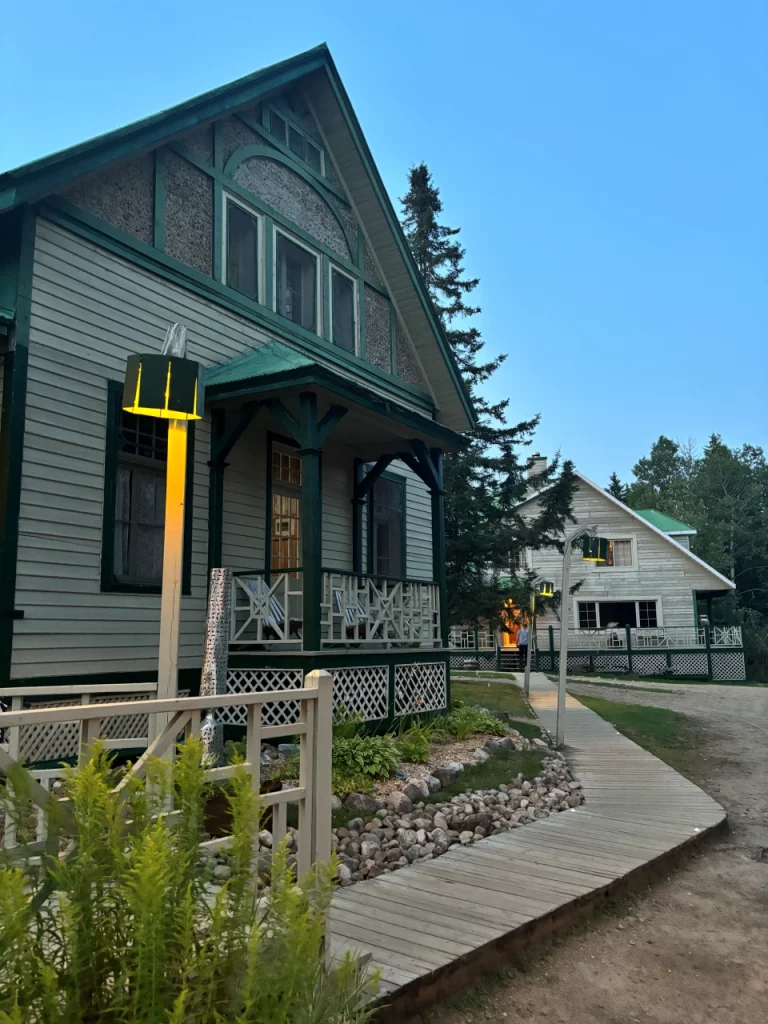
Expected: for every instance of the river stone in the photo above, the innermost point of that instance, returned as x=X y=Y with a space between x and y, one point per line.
x=361 y=803
x=448 y=773
x=222 y=872
x=433 y=784
x=345 y=875
x=416 y=790
x=265 y=838
x=336 y=803
x=288 y=749
x=465 y=838
x=399 y=802
x=369 y=848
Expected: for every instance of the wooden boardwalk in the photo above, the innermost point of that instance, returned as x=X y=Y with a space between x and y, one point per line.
x=430 y=918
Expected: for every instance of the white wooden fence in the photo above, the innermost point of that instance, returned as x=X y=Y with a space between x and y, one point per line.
x=658 y=637
x=167 y=719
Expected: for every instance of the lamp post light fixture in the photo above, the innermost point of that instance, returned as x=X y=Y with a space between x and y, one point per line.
x=171 y=387
x=543 y=588
x=594 y=549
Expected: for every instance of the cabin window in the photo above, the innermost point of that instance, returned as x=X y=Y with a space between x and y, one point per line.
x=242 y=249
x=285 y=537
x=296 y=273
x=387 y=533
x=134 y=499
x=646 y=614
x=619 y=554
x=587 y=615
x=343 y=311
x=297 y=140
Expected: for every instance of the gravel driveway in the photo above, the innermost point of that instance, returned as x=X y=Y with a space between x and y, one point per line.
x=693 y=949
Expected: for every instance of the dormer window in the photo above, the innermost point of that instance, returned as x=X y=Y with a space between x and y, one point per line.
x=297 y=140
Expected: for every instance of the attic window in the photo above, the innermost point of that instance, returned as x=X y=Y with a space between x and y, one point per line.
x=619 y=554
x=297 y=141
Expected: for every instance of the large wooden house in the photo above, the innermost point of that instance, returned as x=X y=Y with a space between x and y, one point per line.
x=255 y=216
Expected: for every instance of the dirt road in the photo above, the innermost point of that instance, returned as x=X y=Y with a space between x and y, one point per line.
x=693 y=949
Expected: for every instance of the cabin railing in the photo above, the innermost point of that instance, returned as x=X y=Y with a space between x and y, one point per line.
x=356 y=610
x=463 y=638
x=167 y=720
x=657 y=637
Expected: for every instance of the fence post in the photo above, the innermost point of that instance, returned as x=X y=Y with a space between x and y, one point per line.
x=321 y=832
x=708 y=643
x=629 y=648
x=552 y=649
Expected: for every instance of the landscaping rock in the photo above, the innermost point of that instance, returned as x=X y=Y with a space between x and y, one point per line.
x=465 y=838
x=361 y=803
x=336 y=803
x=222 y=872
x=416 y=790
x=448 y=773
x=433 y=784
x=288 y=749
x=265 y=838
x=344 y=875
x=399 y=802
x=480 y=756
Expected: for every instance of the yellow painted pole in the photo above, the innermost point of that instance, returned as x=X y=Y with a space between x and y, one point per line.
x=173 y=546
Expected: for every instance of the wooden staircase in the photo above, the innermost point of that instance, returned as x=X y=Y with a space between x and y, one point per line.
x=510 y=660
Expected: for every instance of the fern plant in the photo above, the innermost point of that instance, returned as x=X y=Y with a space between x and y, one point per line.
x=463 y=721
x=413 y=742
x=124 y=931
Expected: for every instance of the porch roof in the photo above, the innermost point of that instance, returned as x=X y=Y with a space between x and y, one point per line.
x=276 y=369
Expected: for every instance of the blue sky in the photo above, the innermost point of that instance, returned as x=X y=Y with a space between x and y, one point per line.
x=607 y=164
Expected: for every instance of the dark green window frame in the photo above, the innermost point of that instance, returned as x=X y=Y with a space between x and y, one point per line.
x=109 y=583
x=394 y=478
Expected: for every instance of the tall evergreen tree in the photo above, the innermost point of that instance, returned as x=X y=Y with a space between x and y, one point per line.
x=485 y=480
x=616 y=488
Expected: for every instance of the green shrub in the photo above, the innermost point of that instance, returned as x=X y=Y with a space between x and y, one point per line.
x=347 y=724
x=131 y=935
x=461 y=722
x=375 y=756
x=413 y=742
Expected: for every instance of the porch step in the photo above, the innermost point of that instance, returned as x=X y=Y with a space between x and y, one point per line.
x=510 y=661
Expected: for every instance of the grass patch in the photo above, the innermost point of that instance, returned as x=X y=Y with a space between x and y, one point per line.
x=612 y=683
x=670 y=735
x=471 y=673
x=494 y=696
x=499 y=768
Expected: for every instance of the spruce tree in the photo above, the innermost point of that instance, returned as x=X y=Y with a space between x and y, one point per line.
x=485 y=480
x=616 y=488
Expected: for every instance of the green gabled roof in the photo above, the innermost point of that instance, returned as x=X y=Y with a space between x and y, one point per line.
x=343 y=134
x=273 y=357
x=663 y=522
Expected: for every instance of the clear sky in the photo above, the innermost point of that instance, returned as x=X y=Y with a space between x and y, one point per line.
x=607 y=163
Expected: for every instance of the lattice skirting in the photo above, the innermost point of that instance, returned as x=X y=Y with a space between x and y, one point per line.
x=545 y=662
x=362 y=689
x=420 y=687
x=578 y=662
x=484 y=659
x=649 y=664
x=689 y=664
x=728 y=665
x=610 y=663
x=57 y=741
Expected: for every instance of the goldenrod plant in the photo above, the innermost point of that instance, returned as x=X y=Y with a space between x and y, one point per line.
x=127 y=929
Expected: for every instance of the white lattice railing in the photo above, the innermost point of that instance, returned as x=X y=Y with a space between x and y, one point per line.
x=378 y=611
x=167 y=720
x=267 y=608
x=463 y=638
x=660 y=638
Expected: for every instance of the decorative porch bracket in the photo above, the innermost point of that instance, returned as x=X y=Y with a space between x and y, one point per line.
x=224 y=437
x=310 y=433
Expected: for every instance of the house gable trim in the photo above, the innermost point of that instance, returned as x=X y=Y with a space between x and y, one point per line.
x=729 y=584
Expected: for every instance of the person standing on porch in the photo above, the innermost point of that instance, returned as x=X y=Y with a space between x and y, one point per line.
x=522 y=644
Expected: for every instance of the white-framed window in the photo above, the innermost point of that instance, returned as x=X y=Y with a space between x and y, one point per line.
x=297 y=282
x=297 y=140
x=242 y=242
x=588 y=615
x=644 y=613
x=621 y=554
x=344 y=325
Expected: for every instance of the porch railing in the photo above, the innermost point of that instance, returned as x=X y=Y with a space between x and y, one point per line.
x=464 y=638
x=168 y=719
x=661 y=637
x=356 y=610
x=378 y=611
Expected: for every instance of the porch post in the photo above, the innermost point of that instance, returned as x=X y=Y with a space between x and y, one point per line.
x=629 y=648
x=437 y=495
x=216 y=491
x=311 y=522
x=358 y=501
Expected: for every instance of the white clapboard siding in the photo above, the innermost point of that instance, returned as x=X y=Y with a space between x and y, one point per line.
x=662 y=573
x=91 y=309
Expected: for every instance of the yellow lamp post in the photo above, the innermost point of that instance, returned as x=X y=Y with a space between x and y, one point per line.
x=594 y=549
x=171 y=387
x=543 y=588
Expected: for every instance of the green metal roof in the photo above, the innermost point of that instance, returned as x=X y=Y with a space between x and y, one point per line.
x=663 y=522
x=273 y=357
